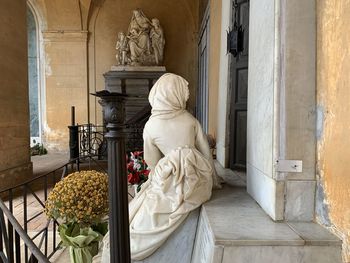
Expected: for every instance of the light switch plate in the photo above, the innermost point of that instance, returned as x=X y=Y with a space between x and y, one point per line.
x=289 y=166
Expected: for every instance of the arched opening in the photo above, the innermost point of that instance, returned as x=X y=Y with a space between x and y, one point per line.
x=33 y=78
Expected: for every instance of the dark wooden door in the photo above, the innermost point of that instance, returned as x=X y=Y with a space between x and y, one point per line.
x=202 y=98
x=239 y=89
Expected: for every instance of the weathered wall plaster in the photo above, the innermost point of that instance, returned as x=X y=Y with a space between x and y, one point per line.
x=333 y=98
x=15 y=164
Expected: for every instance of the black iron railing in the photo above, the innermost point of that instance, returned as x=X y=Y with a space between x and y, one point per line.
x=92 y=140
x=12 y=233
x=21 y=242
x=25 y=233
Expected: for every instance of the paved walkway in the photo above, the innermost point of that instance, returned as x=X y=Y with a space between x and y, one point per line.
x=46 y=163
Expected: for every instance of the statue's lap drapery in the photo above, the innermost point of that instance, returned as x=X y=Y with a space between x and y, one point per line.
x=182 y=172
x=181 y=182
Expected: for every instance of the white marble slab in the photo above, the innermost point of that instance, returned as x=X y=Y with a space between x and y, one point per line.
x=300 y=200
x=261 y=85
x=268 y=192
x=314 y=234
x=204 y=244
x=236 y=219
x=284 y=254
x=179 y=246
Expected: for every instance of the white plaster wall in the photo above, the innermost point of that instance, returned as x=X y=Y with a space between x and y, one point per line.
x=223 y=106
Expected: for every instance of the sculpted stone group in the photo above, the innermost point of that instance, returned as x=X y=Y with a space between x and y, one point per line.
x=143 y=44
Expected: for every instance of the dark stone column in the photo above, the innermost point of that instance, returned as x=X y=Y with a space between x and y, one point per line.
x=114 y=114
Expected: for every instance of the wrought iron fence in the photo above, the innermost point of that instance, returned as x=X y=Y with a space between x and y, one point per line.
x=19 y=240
x=92 y=140
x=26 y=235
x=11 y=235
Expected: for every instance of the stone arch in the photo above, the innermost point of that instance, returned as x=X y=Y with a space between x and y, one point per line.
x=39 y=12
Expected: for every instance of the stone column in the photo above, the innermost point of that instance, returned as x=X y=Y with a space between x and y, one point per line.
x=114 y=114
x=15 y=164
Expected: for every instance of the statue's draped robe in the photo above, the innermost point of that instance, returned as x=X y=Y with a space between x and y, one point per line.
x=182 y=172
x=178 y=153
x=179 y=182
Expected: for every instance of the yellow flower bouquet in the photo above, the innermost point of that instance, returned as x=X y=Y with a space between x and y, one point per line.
x=80 y=201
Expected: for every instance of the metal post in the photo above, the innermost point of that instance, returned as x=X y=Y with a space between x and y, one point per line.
x=73 y=115
x=114 y=114
x=73 y=137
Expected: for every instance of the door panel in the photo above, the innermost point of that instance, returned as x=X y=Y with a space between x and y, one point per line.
x=241 y=138
x=239 y=89
x=242 y=86
x=202 y=98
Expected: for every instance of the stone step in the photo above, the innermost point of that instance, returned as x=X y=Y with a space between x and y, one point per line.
x=233 y=228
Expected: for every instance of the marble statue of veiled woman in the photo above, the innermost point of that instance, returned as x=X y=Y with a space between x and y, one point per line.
x=138 y=35
x=182 y=171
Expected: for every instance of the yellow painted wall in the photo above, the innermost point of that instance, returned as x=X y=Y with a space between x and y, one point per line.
x=79 y=44
x=214 y=62
x=333 y=94
x=15 y=164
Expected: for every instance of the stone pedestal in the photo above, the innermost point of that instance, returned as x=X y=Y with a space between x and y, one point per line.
x=136 y=82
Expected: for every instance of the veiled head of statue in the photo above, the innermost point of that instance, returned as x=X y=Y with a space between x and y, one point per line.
x=168 y=96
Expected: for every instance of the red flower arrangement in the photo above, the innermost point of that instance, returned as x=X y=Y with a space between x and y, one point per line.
x=138 y=170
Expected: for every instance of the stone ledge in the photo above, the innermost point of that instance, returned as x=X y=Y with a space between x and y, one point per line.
x=314 y=235
x=235 y=227
x=235 y=219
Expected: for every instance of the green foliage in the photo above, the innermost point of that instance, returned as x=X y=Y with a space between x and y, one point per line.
x=38 y=149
